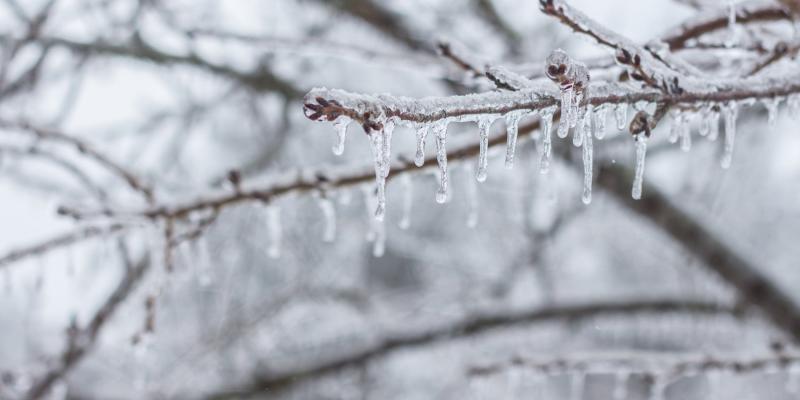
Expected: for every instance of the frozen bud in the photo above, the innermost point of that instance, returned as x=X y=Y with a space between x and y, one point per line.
x=579 y=74
x=557 y=65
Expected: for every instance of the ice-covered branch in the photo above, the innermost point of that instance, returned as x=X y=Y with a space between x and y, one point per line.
x=279 y=380
x=61 y=241
x=666 y=367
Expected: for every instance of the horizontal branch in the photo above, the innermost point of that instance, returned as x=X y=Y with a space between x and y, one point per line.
x=471 y=327
x=669 y=366
x=60 y=241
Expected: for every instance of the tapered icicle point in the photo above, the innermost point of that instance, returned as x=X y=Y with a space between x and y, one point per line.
x=772 y=106
x=483 y=156
x=274 y=230
x=341 y=125
x=441 y=158
x=547 y=144
x=376 y=141
x=408 y=198
x=641 y=154
x=472 y=196
x=599 y=122
x=419 y=157
x=621 y=115
x=588 y=150
x=730 y=112
x=512 y=127
x=329 y=214
x=566 y=106
x=386 y=147
x=379 y=243
x=620 y=385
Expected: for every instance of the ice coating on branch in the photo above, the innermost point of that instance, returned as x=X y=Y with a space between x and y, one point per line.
x=274 y=230
x=588 y=150
x=483 y=157
x=440 y=130
x=507 y=79
x=419 y=157
x=730 y=111
x=408 y=198
x=599 y=121
x=621 y=115
x=772 y=105
x=329 y=215
x=641 y=154
x=340 y=125
x=547 y=144
x=512 y=128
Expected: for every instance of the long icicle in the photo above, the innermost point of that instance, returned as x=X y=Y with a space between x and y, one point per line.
x=588 y=150
x=376 y=141
x=641 y=154
x=547 y=144
x=483 y=156
x=512 y=128
x=731 y=112
x=441 y=157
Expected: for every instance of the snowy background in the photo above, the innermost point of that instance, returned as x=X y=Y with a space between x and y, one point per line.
x=230 y=316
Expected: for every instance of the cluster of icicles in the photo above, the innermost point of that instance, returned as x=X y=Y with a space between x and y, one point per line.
x=586 y=122
x=622 y=377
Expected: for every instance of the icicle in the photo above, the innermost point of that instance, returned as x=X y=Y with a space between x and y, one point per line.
x=580 y=127
x=599 y=123
x=472 y=195
x=419 y=157
x=441 y=158
x=621 y=115
x=329 y=216
x=793 y=102
x=408 y=197
x=731 y=112
x=641 y=153
x=567 y=94
x=676 y=120
x=732 y=31
x=547 y=145
x=274 y=230
x=705 y=121
x=576 y=108
x=386 y=147
x=379 y=243
x=483 y=157
x=341 y=125
x=685 y=133
x=620 y=385
x=588 y=149
x=772 y=105
x=379 y=152
x=512 y=127
x=576 y=385
x=713 y=121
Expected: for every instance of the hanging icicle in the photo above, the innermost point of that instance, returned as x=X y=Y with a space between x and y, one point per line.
x=588 y=150
x=274 y=230
x=599 y=122
x=772 y=105
x=621 y=115
x=340 y=125
x=483 y=157
x=547 y=145
x=730 y=111
x=440 y=130
x=329 y=217
x=512 y=128
x=419 y=157
x=641 y=153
